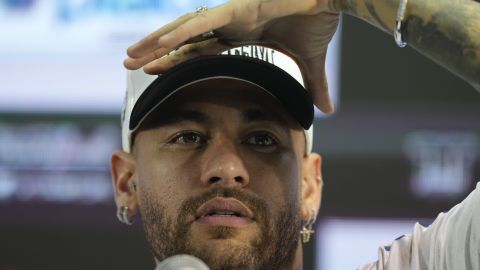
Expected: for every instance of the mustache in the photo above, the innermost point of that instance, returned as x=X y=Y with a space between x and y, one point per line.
x=257 y=205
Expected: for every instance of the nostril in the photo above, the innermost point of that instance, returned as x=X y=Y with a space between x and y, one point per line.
x=238 y=179
x=215 y=180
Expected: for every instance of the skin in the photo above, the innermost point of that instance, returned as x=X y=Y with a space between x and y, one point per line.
x=446 y=31
x=260 y=161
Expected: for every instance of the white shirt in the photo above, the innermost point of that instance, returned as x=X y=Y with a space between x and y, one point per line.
x=451 y=242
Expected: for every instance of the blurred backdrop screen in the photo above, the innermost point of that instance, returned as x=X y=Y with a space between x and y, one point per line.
x=395 y=152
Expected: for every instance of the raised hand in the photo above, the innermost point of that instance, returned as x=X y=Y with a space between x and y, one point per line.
x=301 y=29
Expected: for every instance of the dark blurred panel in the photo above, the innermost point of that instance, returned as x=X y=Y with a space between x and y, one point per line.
x=55 y=158
x=369 y=171
x=391 y=98
x=73 y=247
x=403 y=144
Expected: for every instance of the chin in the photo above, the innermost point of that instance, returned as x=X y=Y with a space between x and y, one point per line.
x=228 y=254
x=227 y=248
x=225 y=238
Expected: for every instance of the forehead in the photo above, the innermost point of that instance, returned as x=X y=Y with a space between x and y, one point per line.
x=227 y=95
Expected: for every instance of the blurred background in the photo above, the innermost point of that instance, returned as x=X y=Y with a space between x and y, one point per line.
x=403 y=145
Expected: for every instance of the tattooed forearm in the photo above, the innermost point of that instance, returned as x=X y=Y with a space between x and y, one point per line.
x=448 y=31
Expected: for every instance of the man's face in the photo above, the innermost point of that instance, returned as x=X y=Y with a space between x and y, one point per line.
x=217 y=172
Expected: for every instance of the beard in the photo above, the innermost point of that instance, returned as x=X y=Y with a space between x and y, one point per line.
x=274 y=246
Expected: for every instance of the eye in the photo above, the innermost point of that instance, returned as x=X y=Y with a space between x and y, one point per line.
x=262 y=140
x=188 y=137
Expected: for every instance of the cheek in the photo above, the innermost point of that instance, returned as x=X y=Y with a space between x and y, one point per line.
x=276 y=180
x=165 y=179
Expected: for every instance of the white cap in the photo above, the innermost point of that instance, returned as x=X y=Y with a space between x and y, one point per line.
x=270 y=70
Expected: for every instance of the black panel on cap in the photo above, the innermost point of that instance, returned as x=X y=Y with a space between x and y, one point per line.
x=279 y=83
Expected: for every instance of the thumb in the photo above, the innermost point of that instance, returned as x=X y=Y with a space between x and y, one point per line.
x=317 y=84
x=321 y=96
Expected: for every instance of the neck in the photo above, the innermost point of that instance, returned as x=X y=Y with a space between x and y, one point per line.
x=297 y=262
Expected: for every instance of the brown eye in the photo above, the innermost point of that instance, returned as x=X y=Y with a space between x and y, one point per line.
x=189 y=138
x=262 y=140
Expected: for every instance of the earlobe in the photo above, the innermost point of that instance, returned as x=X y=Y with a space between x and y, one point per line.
x=312 y=185
x=122 y=167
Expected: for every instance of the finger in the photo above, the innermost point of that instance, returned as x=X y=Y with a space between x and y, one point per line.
x=316 y=83
x=150 y=42
x=136 y=63
x=186 y=52
x=321 y=97
x=206 y=21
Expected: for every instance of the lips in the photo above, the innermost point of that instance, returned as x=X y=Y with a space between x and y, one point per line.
x=221 y=211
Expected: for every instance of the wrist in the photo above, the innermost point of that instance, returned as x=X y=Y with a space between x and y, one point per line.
x=380 y=13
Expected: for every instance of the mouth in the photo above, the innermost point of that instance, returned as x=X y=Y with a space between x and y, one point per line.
x=227 y=212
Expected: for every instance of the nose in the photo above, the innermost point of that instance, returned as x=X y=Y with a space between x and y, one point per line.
x=224 y=166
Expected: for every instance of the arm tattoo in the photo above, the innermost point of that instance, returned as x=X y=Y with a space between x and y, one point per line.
x=450 y=35
x=447 y=31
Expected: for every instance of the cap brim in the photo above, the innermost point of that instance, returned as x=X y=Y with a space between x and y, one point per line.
x=291 y=94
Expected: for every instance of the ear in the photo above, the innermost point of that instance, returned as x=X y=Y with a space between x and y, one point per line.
x=122 y=166
x=312 y=184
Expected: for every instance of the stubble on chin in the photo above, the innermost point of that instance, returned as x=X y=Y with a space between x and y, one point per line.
x=271 y=247
x=222 y=232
